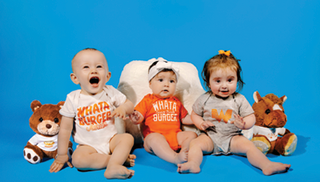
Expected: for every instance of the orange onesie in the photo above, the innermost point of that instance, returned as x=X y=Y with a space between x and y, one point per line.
x=162 y=116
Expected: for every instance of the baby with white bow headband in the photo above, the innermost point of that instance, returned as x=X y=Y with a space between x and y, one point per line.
x=161 y=115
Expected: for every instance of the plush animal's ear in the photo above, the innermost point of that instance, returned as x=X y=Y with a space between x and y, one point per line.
x=60 y=104
x=35 y=105
x=256 y=96
x=283 y=98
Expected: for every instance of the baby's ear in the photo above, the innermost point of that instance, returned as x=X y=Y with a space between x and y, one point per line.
x=108 y=76
x=74 y=78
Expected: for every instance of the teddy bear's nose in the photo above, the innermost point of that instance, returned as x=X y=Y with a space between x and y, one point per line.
x=48 y=126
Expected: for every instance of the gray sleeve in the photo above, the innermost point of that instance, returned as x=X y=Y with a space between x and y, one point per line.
x=198 y=105
x=245 y=107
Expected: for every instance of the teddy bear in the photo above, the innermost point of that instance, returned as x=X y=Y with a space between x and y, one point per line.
x=135 y=85
x=269 y=134
x=45 y=122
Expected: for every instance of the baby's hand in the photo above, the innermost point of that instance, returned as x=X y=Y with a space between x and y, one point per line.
x=205 y=124
x=118 y=112
x=135 y=117
x=238 y=122
x=59 y=162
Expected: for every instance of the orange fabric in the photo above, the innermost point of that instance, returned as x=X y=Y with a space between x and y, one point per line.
x=162 y=116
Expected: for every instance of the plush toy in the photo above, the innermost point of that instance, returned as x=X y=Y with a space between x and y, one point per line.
x=45 y=122
x=269 y=134
x=135 y=85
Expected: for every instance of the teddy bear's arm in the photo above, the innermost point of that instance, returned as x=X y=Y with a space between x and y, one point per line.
x=281 y=131
x=34 y=139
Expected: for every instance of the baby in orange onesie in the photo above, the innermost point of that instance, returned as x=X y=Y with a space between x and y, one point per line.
x=161 y=115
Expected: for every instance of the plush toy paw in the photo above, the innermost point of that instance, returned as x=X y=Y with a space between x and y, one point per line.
x=291 y=144
x=262 y=143
x=31 y=156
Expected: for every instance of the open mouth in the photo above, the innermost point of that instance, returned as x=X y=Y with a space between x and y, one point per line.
x=225 y=91
x=94 y=80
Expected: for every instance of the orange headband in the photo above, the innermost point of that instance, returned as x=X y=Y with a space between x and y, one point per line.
x=227 y=53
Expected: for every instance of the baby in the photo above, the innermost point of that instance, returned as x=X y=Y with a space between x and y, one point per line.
x=89 y=113
x=221 y=114
x=161 y=114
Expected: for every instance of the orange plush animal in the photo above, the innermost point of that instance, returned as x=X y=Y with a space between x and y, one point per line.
x=45 y=122
x=269 y=134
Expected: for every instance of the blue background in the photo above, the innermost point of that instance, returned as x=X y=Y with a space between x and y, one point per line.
x=277 y=42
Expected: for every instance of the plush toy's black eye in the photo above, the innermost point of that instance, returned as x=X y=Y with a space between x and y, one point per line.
x=268 y=111
x=56 y=120
x=40 y=119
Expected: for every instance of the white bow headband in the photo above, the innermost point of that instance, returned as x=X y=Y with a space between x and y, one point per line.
x=161 y=65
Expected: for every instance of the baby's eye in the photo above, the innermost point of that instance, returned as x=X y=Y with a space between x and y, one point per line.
x=218 y=81
x=85 y=66
x=230 y=80
x=172 y=81
x=99 y=66
x=160 y=80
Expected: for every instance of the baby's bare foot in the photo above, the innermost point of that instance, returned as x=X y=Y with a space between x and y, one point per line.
x=118 y=172
x=182 y=156
x=275 y=167
x=188 y=167
x=130 y=160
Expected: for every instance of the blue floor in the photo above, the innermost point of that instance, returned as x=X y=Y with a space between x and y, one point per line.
x=227 y=168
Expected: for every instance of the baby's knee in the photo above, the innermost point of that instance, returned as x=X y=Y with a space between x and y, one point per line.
x=192 y=134
x=127 y=138
x=78 y=161
x=154 y=138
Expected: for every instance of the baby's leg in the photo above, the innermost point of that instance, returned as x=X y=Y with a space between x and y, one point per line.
x=156 y=143
x=87 y=158
x=198 y=146
x=120 y=145
x=184 y=139
x=241 y=145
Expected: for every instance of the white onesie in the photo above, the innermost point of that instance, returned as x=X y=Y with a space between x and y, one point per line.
x=93 y=125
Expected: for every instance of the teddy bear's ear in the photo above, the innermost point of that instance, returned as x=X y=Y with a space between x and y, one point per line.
x=60 y=104
x=256 y=96
x=283 y=98
x=35 y=105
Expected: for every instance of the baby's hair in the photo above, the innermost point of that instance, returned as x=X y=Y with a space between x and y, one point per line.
x=222 y=61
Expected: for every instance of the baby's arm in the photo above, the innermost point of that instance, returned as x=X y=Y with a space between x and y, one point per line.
x=136 y=117
x=244 y=123
x=63 y=143
x=199 y=122
x=123 y=109
x=187 y=120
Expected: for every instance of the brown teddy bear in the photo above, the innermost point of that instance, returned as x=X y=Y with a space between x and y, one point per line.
x=269 y=134
x=45 y=122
